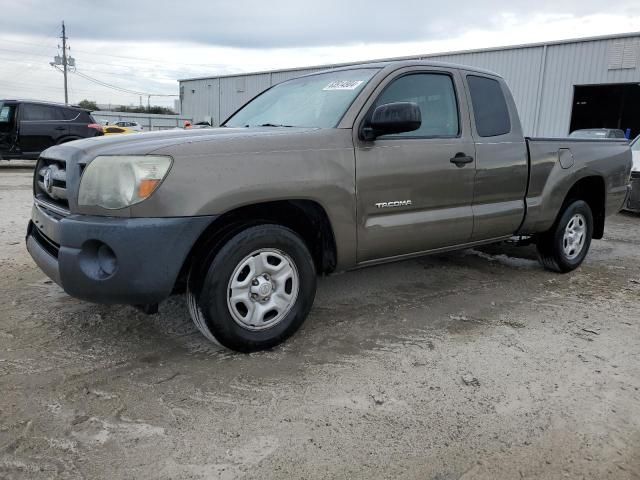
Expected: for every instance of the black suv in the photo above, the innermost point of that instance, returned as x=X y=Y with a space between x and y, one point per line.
x=28 y=127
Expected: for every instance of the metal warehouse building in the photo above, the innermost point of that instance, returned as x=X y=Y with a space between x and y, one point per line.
x=558 y=86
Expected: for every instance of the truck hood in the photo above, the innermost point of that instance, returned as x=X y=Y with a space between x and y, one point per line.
x=211 y=159
x=83 y=151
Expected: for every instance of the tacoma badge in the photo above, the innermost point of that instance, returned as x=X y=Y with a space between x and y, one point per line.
x=397 y=203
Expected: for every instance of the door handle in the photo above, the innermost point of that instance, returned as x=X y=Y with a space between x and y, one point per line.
x=60 y=128
x=461 y=159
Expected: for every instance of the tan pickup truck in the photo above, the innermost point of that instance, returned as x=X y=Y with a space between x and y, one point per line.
x=328 y=172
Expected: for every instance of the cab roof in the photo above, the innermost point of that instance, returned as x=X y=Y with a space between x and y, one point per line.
x=396 y=64
x=42 y=102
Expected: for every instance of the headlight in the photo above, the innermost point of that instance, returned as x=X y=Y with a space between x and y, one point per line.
x=121 y=180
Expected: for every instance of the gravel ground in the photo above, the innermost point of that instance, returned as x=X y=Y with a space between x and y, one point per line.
x=471 y=365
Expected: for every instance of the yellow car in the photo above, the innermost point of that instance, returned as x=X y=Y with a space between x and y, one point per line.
x=114 y=130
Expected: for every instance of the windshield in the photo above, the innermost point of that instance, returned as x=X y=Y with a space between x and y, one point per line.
x=312 y=101
x=635 y=146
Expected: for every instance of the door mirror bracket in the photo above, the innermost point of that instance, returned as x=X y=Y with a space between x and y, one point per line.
x=390 y=118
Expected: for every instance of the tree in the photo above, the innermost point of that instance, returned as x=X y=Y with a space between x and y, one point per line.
x=141 y=109
x=88 y=105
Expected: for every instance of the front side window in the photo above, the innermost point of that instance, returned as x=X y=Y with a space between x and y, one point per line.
x=312 y=101
x=6 y=113
x=435 y=95
x=34 y=112
x=6 y=117
x=489 y=106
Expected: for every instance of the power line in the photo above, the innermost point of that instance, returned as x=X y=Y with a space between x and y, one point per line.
x=122 y=89
x=115 y=87
x=25 y=53
x=124 y=57
x=65 y=61
x=40 y=46
x=141 y=59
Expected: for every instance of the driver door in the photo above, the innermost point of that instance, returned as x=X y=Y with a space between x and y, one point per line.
x=412 y=196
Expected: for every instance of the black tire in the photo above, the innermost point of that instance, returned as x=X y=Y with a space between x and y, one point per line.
x=551 y=244
x=208 y=289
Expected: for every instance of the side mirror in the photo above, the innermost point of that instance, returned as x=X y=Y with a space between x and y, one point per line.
x=397 y=117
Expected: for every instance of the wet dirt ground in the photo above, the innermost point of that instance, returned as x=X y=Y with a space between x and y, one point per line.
x=470 y=365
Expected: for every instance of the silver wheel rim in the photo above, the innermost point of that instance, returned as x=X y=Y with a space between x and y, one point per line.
x=574 y=236
x=262 y=289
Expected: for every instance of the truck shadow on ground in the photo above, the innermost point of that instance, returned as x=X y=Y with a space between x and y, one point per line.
x=368 y=309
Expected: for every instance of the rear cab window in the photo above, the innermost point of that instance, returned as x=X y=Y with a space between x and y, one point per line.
x=77 y=116
x=71 y=114
x=490 y=109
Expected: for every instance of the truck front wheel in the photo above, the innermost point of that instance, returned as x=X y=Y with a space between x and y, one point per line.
x=564 y=247
x=256 y=291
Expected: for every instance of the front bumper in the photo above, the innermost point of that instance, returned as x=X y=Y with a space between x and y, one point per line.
x=633 y=200
x=112 y=260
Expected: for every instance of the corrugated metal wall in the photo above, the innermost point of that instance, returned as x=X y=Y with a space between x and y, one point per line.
x=577 y=64
x=541 y=78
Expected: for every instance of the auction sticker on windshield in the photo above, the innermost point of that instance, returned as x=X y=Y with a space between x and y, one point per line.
x=344 y=85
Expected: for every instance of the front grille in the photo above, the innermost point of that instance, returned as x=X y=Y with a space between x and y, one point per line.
x=51 y=182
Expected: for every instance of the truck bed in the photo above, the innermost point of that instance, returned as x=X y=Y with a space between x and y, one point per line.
x=556 y=164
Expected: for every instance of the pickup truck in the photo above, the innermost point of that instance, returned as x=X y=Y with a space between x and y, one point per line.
x=320 y=174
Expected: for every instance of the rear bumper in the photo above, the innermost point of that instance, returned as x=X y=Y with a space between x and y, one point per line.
x=112 y=260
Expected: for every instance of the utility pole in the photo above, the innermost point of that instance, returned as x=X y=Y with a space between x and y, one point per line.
x=64 y=63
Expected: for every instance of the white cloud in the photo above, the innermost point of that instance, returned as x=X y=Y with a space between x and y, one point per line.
x=149 y=65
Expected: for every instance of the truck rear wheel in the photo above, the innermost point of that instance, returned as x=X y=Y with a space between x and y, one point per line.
x=564 y=247
x=256 y=291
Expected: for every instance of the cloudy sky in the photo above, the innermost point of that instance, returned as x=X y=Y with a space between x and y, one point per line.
x=145 y=46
